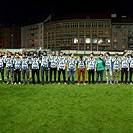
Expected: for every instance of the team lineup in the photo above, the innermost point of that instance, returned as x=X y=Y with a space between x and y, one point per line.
x=57 y=65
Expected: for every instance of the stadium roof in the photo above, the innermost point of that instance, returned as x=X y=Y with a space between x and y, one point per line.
x=72 y=16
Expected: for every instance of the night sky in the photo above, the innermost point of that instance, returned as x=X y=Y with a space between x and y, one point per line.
x=19 y=11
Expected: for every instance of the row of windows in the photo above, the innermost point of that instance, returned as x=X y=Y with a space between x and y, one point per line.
x=95 y=32
x=85 y=40
x=81 y=24
x=94 y=48
x=34 y=27
x=123 y=26
x=77 y=24
x=116 y=33
x=80 y=40
x=67 y=33
x=87 y=32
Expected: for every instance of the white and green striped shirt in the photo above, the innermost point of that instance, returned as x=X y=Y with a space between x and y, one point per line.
x=90 y=62
x=124 y=62
x=61 y=61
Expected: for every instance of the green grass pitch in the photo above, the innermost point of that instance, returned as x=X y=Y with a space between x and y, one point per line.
x=66 y=108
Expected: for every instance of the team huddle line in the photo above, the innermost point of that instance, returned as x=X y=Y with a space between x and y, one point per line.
x=113 y=66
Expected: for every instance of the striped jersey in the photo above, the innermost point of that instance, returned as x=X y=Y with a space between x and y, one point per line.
x=81 y=63
x=61 y=61
x=53 y=61
x=35 y=63
x=1 y=61
x=131 y=62
x=108 y=62
x=71 y=62
x=124 y=62
x=90 y=62
x=116 y=63
x=9 y=62
x=45 y=61
x=25 y=63
x=17 y=63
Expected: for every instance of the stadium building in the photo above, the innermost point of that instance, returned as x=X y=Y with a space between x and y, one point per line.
x=80 y=32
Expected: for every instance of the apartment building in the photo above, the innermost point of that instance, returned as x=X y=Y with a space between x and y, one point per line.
x=10 y=36
x=78 y=32
x=32 y=36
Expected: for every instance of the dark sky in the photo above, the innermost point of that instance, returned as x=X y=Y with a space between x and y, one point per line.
x=19 y=11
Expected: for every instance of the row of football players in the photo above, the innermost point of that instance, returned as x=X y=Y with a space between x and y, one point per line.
x=53 y=63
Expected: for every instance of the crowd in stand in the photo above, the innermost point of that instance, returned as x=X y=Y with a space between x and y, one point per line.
x=37 y=66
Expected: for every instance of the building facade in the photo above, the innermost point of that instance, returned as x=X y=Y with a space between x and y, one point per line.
x=122 y=35
x=32 y=36
x=86 y=32
x=10 y=36
x=90 y=32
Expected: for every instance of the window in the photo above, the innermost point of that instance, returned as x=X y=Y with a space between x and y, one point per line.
x=100 y=32
x=94 y=24
x=88 y=40
x=100 y=24
x=107 y=24
x=52 y=27
x=100 y=40
x=75 y=40
x=58 y=34
x=81 y=24
x=131 y=26
x=81 y=40
x=94 y=40
x=107 y=40
x=58 y=41
x=65 y=25
x=124 y=33
x=74 y=32
x=115 y=46
x=81 y=32
x=131 y=40
x=52 y=34
x=94 y=32
x=87 y=32
x=58 y=25
x=103 y=40
x=88 y=24
x=65 y=33
x=74 y=25
x=65 y=40
x=52 y=41
x=115 y=33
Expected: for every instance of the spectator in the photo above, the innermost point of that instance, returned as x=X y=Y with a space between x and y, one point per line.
x=9 y=67
x=81 y=69
x=44 y=66
x=61 y=67
x=91 y=66
x=53 y=66
x=71 y=67
x=35 y=67
x=124 y=68
x=100 y=64
x=131 y=67
x=25 y=68
x=116 y=68
x=2 y=66
x=17 y=68
x=108 y=67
